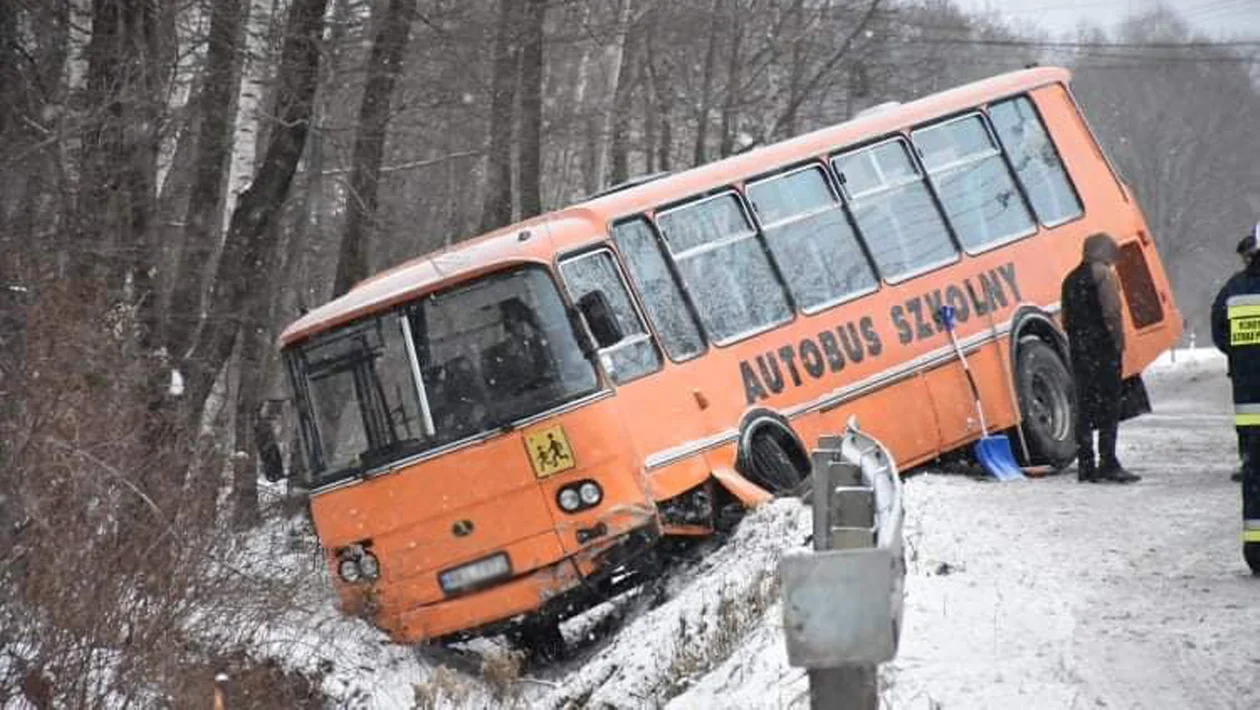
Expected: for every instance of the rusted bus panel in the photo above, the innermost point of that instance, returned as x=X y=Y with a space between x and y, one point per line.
x=440 y=487
x=519 y=596
x=676 y=478
x=613 y=520
x=525 y=555
x=503 y=601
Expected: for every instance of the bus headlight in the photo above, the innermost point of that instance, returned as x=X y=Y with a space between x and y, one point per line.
x=569 y=500
x=590 y=493
x=474 y=574
x=370 y=567
x=349 y=570
x=356 y=564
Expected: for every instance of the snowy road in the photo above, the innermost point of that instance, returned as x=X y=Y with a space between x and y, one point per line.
x=1071 y=595
x=1055 y=594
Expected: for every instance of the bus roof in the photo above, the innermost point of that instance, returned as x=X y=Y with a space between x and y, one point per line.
x=538 y=239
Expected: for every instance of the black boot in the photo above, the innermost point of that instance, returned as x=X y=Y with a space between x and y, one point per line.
x=1086 y=471
x=1112 y=472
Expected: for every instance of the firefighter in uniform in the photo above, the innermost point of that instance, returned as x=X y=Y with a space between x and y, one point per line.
x=1236 y=332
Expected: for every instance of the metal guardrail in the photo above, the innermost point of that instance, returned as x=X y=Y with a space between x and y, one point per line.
x=842 y=603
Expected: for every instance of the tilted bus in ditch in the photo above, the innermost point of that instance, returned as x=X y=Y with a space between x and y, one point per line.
x=500 y=431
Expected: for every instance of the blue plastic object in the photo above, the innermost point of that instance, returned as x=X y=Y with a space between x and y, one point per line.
x=993 y=452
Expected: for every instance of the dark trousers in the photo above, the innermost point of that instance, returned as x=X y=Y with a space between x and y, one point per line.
x=1098 y=391
x=1249 y=438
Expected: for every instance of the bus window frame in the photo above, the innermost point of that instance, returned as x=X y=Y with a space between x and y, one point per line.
x=590 y=250
x=921 y=173
x=998 y=150
x=830 y=180
x=756 y=234
x=1057 y=153
x=663 y=250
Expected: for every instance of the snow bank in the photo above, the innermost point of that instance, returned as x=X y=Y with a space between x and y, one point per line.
x=712 y=605
x=1187 y=358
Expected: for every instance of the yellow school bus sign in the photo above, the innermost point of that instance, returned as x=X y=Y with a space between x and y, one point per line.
x=549 y=451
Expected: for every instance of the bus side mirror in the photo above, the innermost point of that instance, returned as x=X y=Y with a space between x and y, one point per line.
x=600 y=318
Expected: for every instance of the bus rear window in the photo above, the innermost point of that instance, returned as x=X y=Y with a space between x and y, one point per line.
x=1139 y=287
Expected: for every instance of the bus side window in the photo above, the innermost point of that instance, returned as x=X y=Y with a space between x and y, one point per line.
x=1036 y=162
x=658 y=289
x=976 y=188
x=811 y=239
x=725 y=267
x=893 y=209
x=634 y=355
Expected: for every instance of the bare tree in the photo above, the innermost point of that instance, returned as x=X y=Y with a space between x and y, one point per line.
x=234 y=296
x=212 y=155
x=497 y=207
x=385 y=64
x=1170 y=120
x=530 y=144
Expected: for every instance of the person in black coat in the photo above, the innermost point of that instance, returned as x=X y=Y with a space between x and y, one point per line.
x=1236 y=332
x=1094 y=322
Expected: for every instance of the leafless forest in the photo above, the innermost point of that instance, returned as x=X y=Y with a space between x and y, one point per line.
x=178 y=180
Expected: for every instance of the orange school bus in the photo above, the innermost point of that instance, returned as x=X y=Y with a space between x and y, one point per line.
x=500 y=433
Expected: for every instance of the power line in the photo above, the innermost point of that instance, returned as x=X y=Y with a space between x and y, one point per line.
x=1053 y=44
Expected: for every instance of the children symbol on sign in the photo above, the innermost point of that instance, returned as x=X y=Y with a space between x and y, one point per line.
x=553 y=453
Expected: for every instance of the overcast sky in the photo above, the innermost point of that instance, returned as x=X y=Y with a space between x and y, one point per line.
x=1238 y=19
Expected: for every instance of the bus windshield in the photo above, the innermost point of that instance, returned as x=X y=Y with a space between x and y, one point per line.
x=490 y=352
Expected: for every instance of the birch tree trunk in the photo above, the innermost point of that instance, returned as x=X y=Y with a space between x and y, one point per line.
x=212 y=157
x=233 y=302
x=254 y=79
x=616 y=55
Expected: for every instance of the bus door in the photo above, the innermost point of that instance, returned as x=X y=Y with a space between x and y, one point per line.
x=659 y=411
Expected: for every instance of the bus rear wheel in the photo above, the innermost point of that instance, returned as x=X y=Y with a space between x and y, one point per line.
x=772 y=466
x=1046 y=404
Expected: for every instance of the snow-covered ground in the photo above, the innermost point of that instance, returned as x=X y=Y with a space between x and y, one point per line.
x=1040 y=594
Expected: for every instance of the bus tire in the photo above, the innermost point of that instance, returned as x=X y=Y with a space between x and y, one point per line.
x=772 y=466
x=1047 y=404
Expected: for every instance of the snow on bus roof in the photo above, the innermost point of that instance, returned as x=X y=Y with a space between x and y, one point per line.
x=573 y=226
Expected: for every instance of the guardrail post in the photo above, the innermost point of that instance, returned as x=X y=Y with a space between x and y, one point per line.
x=842 y=604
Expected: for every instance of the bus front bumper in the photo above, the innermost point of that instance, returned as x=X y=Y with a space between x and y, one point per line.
x=558 y=590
